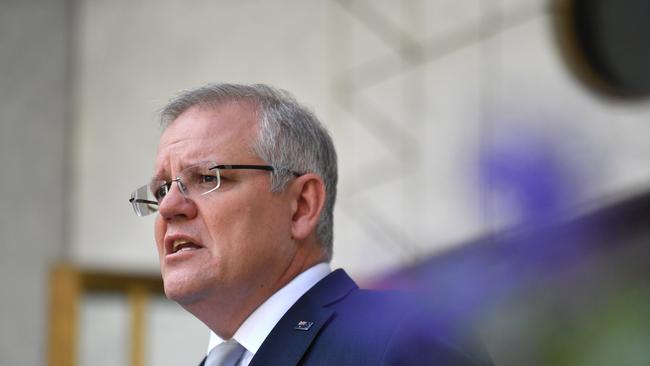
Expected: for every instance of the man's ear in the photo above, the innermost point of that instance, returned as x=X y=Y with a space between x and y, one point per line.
x=308 y=202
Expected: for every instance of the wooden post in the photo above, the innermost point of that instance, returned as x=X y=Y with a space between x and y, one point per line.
x=138 y=299
x=65 y=289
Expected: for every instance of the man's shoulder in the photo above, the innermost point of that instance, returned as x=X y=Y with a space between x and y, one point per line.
x=392 y=327
x=337 y=323
x=381 y=308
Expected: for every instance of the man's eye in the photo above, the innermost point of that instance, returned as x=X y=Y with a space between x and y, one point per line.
x=161 y=192
x=208 y=179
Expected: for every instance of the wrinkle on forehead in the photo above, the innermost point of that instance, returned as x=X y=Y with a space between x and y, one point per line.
x=217 y=133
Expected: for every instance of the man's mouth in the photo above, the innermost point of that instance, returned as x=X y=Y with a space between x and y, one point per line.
x=182 y=245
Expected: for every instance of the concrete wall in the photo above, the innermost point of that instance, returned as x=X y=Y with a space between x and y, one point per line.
x=33 y=143
x=417 y=95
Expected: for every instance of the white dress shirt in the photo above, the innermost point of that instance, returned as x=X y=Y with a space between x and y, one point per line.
x=259 y=324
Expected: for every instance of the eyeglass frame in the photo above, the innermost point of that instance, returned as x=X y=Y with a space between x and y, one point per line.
x=181 y=185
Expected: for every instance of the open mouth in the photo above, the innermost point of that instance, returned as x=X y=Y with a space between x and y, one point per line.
x=183 y=245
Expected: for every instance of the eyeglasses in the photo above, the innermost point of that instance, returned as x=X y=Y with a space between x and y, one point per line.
x=193 y=181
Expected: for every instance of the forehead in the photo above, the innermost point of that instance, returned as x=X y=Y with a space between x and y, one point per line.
x=220 y=132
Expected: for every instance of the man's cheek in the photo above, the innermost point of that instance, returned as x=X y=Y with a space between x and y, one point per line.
x=159 y=235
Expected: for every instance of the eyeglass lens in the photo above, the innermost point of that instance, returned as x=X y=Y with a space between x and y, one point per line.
x=192 y=181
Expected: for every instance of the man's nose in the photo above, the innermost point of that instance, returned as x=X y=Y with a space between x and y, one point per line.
x=175 y=204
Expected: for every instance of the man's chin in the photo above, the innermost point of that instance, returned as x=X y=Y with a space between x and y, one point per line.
x=182 y=296
x=183 y=291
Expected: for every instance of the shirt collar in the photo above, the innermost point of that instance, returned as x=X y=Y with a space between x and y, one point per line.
x=254 y=330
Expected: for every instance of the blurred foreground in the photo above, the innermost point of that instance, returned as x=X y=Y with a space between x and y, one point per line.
x=570 y=292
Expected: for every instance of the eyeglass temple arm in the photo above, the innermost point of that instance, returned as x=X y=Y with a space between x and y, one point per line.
x=140 y=200
x=255 y=167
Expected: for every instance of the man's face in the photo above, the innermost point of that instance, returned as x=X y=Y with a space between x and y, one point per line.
x=240 y=239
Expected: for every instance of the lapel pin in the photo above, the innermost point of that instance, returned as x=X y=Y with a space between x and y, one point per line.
x=303 y=325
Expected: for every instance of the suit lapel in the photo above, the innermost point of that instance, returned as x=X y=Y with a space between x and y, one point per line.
x=295 y=332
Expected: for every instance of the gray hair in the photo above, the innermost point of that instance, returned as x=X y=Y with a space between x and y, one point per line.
x=290 y=138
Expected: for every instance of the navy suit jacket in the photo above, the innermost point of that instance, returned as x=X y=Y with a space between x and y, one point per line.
x=336 y=323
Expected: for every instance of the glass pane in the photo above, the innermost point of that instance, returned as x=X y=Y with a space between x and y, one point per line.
x=103 y=330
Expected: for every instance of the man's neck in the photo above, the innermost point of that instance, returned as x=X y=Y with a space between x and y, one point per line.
x=254 y=330
x=224 y=315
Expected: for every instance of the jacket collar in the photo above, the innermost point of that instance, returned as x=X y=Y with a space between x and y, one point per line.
x=294 y=333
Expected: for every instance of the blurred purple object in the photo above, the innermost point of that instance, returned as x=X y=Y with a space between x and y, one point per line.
x=531 y=168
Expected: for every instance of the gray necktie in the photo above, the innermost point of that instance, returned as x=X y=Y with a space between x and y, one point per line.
x=226 y=354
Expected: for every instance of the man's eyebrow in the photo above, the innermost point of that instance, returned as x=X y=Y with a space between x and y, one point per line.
x=165 y=176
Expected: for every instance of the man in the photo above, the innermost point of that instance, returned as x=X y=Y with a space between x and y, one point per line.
x=244 y=186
